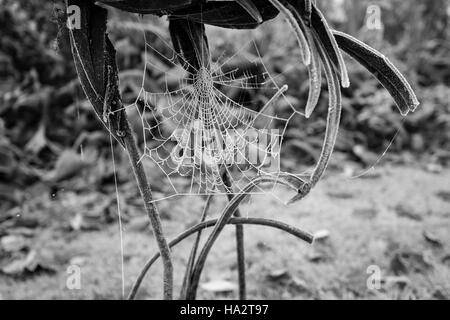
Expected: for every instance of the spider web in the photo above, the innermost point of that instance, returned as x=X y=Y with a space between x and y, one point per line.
x=195 y=127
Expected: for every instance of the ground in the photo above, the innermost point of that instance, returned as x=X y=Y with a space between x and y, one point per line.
x=395 y=220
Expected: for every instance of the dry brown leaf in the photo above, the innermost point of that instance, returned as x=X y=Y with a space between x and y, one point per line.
x=219 y=286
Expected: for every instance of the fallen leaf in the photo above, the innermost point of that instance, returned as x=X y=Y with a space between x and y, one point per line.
x=446 y=260
x=444 y=195
x=432 y=238
x=439 y=295
x=25 y=232
x=139 y=224
x=263 y=246
x=434 y=168
x=20 y=221
x=219 y=286
x=405 y=262
x=408 y=212
x=315 y=256
x=299 y=285
x=13 y=243
x=76 y=222
x=397 y=280
x=68 y=165
x=321 y=235
x=28 y=265
x=79 y=261
x=37 y=142
x=81 y=223
x=279 y=275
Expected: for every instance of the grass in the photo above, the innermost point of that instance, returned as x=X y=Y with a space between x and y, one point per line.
x=364 y=230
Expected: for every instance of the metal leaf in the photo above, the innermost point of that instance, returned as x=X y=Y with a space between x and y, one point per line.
x=380 y=66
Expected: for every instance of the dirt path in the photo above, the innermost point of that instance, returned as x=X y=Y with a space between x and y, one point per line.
x=397 y=220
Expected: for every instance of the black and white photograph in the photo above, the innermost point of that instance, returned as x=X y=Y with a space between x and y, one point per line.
x=233 y=152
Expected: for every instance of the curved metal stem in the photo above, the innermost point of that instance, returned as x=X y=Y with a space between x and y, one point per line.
x=193 y=254
x=239 y=242
x=303 y=235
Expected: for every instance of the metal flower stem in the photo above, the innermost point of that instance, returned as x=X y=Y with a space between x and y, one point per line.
x=151 y=209
x=240 y=249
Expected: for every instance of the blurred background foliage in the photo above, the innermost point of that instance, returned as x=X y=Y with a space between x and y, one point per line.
x=43 y=112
